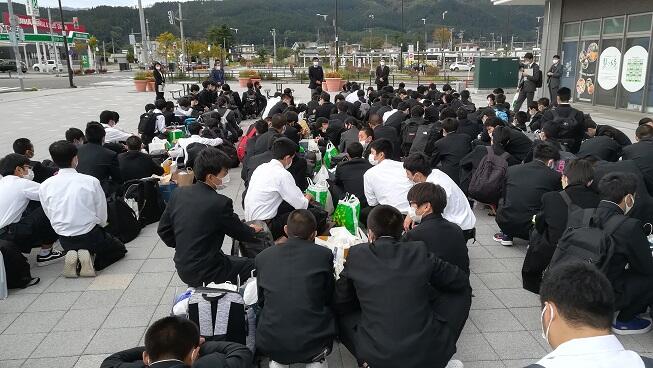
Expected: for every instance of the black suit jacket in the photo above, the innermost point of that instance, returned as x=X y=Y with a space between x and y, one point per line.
x=137 y=165
x=349 y=177
x=315 y=73
x=553 y=80
x=603 y=147
x=389 y=133
x=641 y=153
x=42 y=172
x=619 y=136
x=529 y=83
x=336 y=127
x=565 y=110
x=347 y=137
x=469 y=127
x=295 y=289
x=325 y=110
x=390 y=282
x=449 y=151
x=195 y=223
x=101 y=163
x=382 y=72
x=442 y=238
x=395 y=120
x=278 y=108
x=263 y=142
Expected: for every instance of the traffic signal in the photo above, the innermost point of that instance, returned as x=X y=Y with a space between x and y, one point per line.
x=171 y=17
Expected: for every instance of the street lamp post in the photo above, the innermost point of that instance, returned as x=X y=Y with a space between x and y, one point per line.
x=335 y=29
x=369 y=28
x=14 y=29
x=401 y=44
x=274 y=45
x=65 y=46
x=144 y=46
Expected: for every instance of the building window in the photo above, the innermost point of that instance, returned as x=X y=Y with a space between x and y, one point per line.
x=591 y=28
x=639 y=23
x=613 y=26
x=571 y=30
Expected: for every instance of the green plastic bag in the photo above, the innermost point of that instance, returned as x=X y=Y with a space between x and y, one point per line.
x=347 y=213
x=331 y=152
x=319 y=191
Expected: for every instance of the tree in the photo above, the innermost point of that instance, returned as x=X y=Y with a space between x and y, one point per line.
x=375 y=42
x=196 y=49
x=130 y=55
x=283 y=53
x=443 y=35
x=167 y=42
x=262 y=55
x=92 y=43
x=220 y=36
x=79 y=47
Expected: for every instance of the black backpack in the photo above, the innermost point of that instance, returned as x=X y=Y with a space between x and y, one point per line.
x=16 y=266
x=584 y=241
x=567 y=126
x=148 y=197
x=421 y=138
x=147 y=124
x=122 y=220
x=486 y=183
x=408 y=133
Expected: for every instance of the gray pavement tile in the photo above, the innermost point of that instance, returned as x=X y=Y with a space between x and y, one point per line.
x=495 y=320
x=129 y=316
x=176 y=281
x=16 y=302
x=151 y=280
x=514 y=345
x=92 y=299
x=484 y=265
x=111 y=281
x=476 y=282
x=128 y=265
x=645 y=341
x=161 y=311
x=519 y=363
x=143 y=240
x=64 y=284
x=514 y=265
x=6 y=319
x=90 y=361
x=470 y=327
x=13 y=363
x=135 y=297
x=485 y=299
x=631 y=342
x=110 y=340
x=478 y=251
x=59 y=362
x=63 y=343
x=82 y=319
x=158 y=265
x=537 y=335
x=19 y=346
x=34 y=322
x=162 y=251
x=484 y=364
x=512 y=298
x=528 y=317
x=54 y=301
x=473 y=347
x=485 y=229
x=139 y=253
x=46 y=281
x=499 y=251
x=500 y=280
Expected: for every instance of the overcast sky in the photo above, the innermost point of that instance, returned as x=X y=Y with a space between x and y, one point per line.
x=91 y=3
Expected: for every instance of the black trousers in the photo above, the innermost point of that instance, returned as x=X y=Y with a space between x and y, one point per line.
x=523 y=95
x=233 y=269
x=160 y=95
x=633 y=295
x=31 y=231
x=106 y=248
x=553 y=92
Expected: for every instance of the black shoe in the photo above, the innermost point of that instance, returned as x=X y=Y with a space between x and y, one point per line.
x=51 y=257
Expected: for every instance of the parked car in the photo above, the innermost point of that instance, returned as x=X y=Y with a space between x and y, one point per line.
x=462 y=66
x=10 y=66
x=48 y=66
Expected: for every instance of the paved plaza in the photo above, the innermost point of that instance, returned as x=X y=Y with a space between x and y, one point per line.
x=66 y=323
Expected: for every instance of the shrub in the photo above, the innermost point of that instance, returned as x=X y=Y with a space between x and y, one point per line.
x=333 y=74
x=249 y=73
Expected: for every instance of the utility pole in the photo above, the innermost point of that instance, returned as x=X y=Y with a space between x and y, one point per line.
x=144 y=40
x=274 y=45
x=425 y=39
x=183 y=39
x=54 y=46
x=401 y=44
x=29 y=5
x=147 y=37
x=335 y=28
x=104 y=55
x=13 y=24
x=65 y=46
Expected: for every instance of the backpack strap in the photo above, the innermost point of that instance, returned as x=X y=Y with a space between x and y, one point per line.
x=614 y=223
x=565 y=197
x=555 y=114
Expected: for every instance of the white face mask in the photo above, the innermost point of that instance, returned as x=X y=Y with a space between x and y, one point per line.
x=158 y=68
x=372 y=160
x=412 y=213
x=555 y=61
x=226 y=179
x=315 y=63
x=29 y=175
x=363 y=143
x=545 y=333
x=628 y=208
x=382 y=64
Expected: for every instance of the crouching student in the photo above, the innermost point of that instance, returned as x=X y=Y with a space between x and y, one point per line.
x=295 y=281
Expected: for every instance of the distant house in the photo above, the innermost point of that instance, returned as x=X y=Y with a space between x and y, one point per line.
x=247 y=52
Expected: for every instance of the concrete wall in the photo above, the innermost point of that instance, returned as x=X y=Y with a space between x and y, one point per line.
x=551 y=28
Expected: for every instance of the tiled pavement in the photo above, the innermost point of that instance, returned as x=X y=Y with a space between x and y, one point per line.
x=77 y=322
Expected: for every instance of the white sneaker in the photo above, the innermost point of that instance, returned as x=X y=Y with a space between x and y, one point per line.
x=70 y=264
x=455 y=363
x=86 y=263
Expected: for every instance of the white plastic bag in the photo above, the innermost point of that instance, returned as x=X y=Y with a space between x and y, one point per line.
x=339 y=242
x=322 y=175
x=157 y=147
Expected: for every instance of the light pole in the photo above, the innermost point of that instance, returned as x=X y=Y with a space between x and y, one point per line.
x=425 y=36
x=65 y=46
x=537 y=34
x=371 y=19
x=14 y=43
x=274 y=45
x=335 y=30
x=401 y=44
x=144 y=46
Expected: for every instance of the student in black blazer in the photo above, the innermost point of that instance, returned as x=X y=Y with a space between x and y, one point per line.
x=382 y=74
x=196 y=221
x=641 y=153
x=386 y=132
x=349 y=174
x=350 y=135
x=159 y=81
x=384 y=298
x=97 y=161
x=603 y=147
x=295 y=289
x=451 y=149
x=135 y=164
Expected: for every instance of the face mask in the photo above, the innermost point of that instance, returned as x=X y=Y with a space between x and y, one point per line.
x=315 y=63
x=363 y=143
x=545 y=333
x=372 y=160
x=287 y=166
x=628 y=208
x=158 y=68
x=30 y=175
x=382 y=64
x=412 y=213
x=555 y=61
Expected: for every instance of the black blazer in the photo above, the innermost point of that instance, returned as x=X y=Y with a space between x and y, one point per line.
x=347 y=137
x=565 y=110
x=396 y=119
x=213 y=354
x=349 y=177
x=553 y=80
x=619 y=136
x=336 y=127
x=522 y=196
x=469 y=127
x=519 y=145
x=529 y=83
x=295 y=288
x=278 y=108
x=641 y=153
x=195 y=223
x=442 y=238
x=389 y=133
x=263 y=141
x=603 y=147
x=315 y=73
x=449 y=151
x=382 y=72
x=159 y=78
x=325 y=110
x=137 y=165
x=101 y=163
x=42 y=172
x=391 y=283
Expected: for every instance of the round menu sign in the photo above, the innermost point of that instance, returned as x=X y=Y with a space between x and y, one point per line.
x=633 y=76
x=609 y=63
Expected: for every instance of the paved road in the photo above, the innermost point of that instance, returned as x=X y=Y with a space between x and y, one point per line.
x=52 y=81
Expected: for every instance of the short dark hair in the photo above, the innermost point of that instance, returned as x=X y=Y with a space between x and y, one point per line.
x=341 y=106
x=501 y=99
x=428 y=193
x=418 y=163
x=62 y=153
x=521 y=117
x=74 y=133
x=105 y=116
x=301 y=224
x=417 y=111
x=95 y=132
x=582 y=294
x=642 y=131
x=545 y=151
x=403 y=106
x=22 y=145
x=278 y=121
x=491 y=96
x=556 y=56
x=10 y=162
x=171 y=337
x=134 y=143
x=614 y=187
x=160 y=104
x=325 y=96
x=450 y=125
x=493 y=121
x=644 y=121
x=579 y=171
x=194 y=88
x=209 y=160
x=385 y=220
x=261 y=126
x=496 y=91
x=149 y=107
x=501 y=136
x=544 y=102
x=448 y=112
x=226 y=87
x=194 y=128
x=532 y=105
x=528 y=55
x=291 y=117
x=382 y=145
x=461 y=113
x=564 y=94
x=283 y=147
x=184 y=101
x=355 y=150
x=375 y=119
x=368 y=131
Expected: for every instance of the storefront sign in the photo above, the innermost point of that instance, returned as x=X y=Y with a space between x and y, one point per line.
x=587 y=60
x=32 y=7
x=609 y=63
x=633 y=76
x=42 y=24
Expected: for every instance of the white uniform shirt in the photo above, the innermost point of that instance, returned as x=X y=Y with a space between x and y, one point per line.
x=270 y=185
x=73 y=202
x=388 y=114
x=115 y=135
x=457 y=210
x=181 y=112
x=592 y=352
x=271 y=102
x=386 y=183
x=352 y=97
x=160 y=122
x=185 y=142
x=15 y=194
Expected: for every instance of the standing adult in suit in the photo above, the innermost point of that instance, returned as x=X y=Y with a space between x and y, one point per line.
x=159 y=81
x=349 y=174
x=553 y=78
x=196 y=221
x=528 y=81
x=135 y=164
x=382 y=74
x=315 y=75
x=451 y=149
x=97 y=161
x=384 y=299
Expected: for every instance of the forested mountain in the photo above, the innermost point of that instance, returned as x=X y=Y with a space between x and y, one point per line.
x=296 y=20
